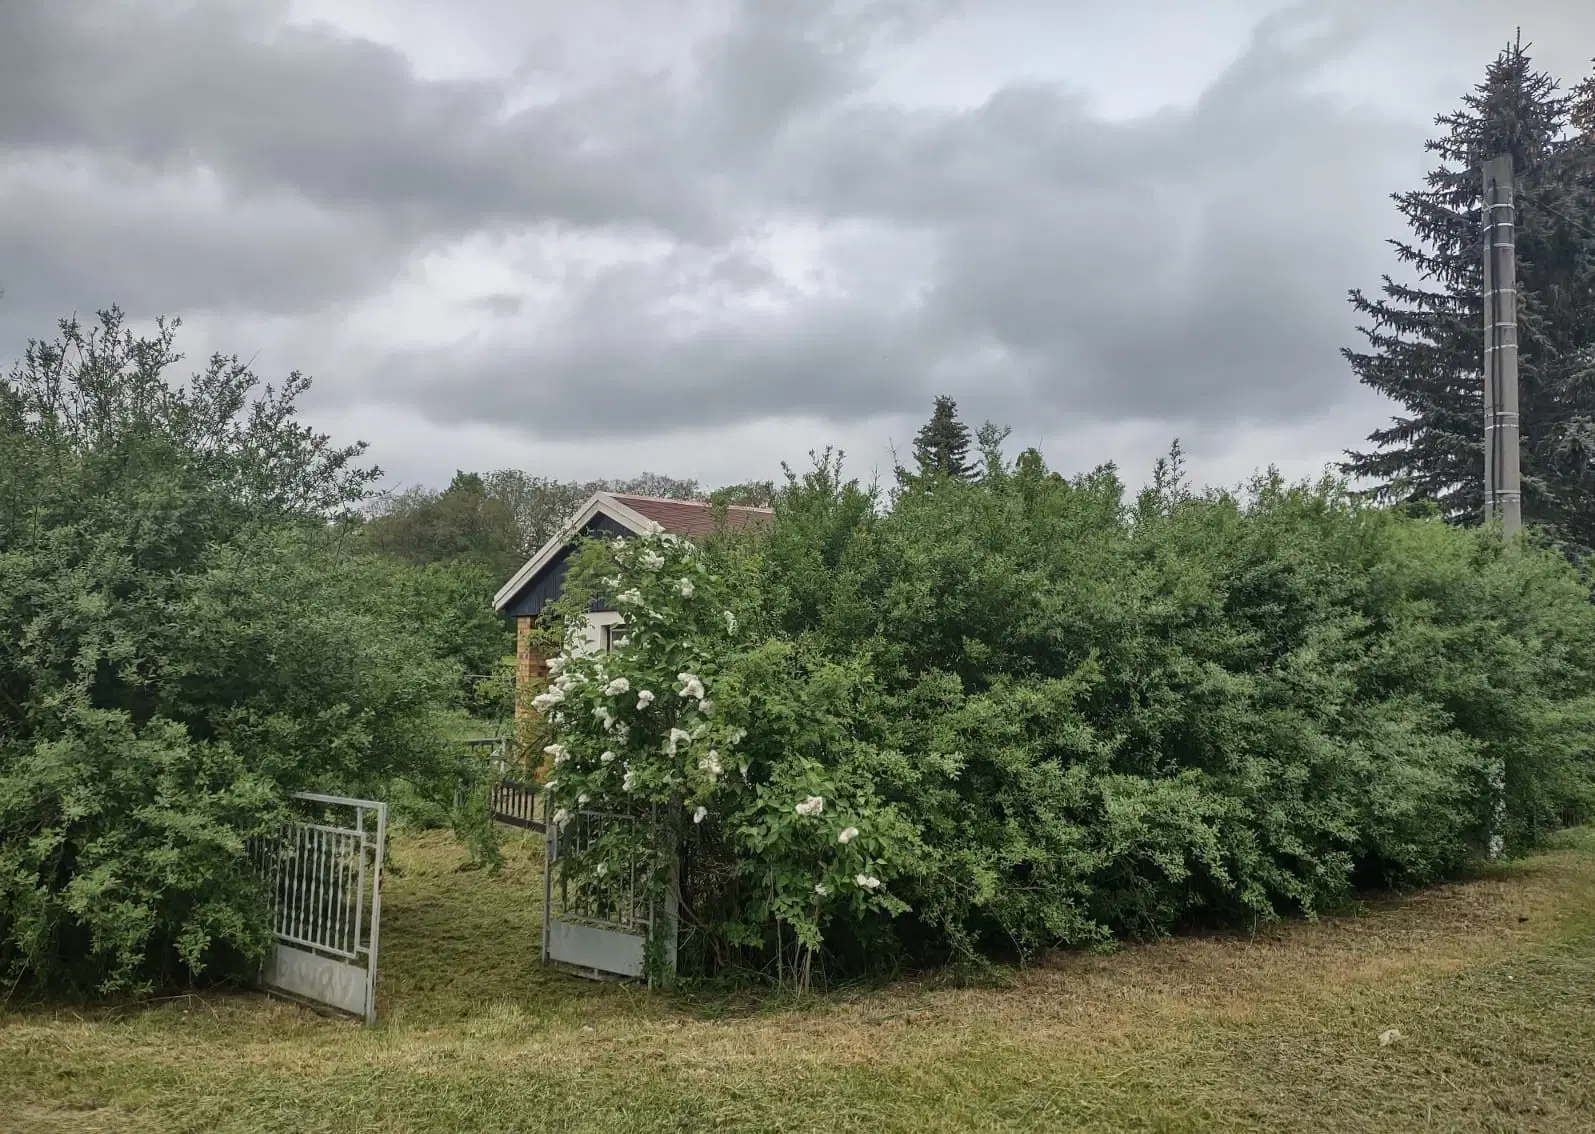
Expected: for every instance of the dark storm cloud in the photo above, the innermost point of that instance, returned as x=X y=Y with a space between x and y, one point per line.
x=1043 y=262
x=1188 y=267
x=345 y=123
x=66 y=221
x=337 y=161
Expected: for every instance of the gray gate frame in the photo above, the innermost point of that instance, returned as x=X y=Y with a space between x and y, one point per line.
x=319 y=938
x=597 y=947
x=601 y=948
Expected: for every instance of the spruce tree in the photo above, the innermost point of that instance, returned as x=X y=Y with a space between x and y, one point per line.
x=1569 y=432
x=1425 y=339
x=942 y=444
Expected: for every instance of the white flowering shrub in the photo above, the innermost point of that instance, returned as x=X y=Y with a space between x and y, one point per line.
x=723 y=754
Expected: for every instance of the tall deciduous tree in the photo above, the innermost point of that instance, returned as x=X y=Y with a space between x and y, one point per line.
x=1424 y=337
x=184 y=636
x=942 y=444
x=462 y=524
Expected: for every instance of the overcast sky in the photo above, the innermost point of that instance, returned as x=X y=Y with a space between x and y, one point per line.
x=700 y=236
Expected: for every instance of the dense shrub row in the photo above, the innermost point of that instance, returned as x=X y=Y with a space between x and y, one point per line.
x=186 y=634
x=988 y=715
x=1058 y=715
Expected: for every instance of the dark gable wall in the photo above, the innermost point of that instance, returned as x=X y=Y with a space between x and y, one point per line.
x=545 y=587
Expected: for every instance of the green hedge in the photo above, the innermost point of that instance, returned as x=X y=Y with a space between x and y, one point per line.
x=1088 y=716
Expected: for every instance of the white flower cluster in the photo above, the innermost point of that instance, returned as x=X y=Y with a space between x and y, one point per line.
x=691 y=687
x=811 y=806
x=579 y=676
x=868 y=882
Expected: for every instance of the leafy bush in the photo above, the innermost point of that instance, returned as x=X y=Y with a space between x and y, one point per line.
x=733 y=757
x=1058 y=715
x=185 y=637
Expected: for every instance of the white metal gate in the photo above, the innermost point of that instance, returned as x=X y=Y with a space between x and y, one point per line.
x=323 y=872
x=597 y=921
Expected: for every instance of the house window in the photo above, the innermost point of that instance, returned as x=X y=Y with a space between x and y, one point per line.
x=613 y=636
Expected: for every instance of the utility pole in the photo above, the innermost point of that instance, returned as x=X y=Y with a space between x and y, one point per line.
x=1503 y=482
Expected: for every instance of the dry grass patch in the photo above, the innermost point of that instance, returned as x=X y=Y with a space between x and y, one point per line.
x=1490 y=983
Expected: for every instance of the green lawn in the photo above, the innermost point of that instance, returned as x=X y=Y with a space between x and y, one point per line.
x=1491 y=985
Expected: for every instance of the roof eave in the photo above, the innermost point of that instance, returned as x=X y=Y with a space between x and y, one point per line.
x=596 y=504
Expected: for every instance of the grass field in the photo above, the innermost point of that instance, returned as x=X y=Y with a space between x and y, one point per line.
x=1491 y=985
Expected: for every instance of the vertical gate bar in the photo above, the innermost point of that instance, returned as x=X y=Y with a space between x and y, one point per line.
x=291 y=896
x=343 y=894
x=376 y=915
x=351 y=884
x=307 y=890
x=324 y=912
x=306 y=880
x=285 y=901
x=279 y=904
x=334 y=843
x=360 y=890
x=330 y=922
x=291 y=882
x=550 y=835
x=318 y=838
x=301 y=877
x=339 y=869
x=276 y=880
x=329 y=875
x=285 y=863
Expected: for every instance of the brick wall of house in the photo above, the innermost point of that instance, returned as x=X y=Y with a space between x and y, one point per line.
x=530 y=667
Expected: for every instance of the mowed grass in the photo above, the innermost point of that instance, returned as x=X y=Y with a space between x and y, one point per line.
x=1490 y=983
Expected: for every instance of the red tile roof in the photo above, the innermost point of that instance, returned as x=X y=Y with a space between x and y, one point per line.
x=694 y=517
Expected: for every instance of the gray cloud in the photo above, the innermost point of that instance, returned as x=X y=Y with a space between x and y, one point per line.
x=163 y=245
x=1081 y=269
x=346 y=124
x=1049 y=265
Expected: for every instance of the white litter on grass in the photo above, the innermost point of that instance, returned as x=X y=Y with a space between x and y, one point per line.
x=1389 y=1036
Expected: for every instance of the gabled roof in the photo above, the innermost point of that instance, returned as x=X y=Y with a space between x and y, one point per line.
x=693 y=517
x=640 y=515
